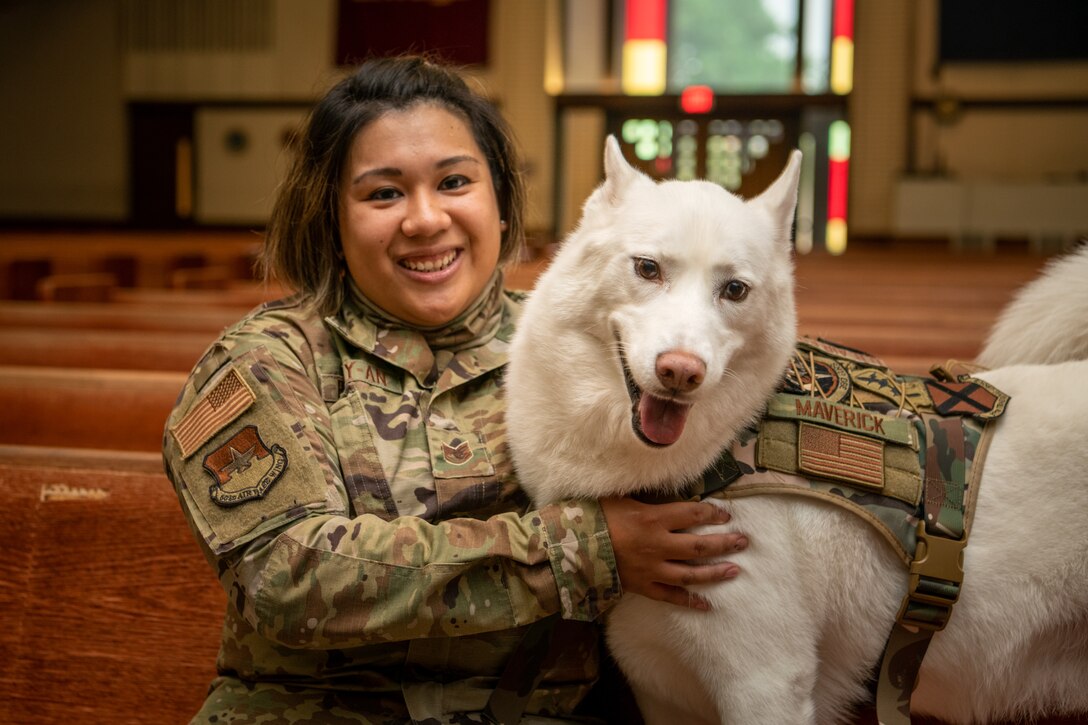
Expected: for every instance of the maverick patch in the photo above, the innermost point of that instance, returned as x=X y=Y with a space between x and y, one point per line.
x=244 y=468
x=843 y=417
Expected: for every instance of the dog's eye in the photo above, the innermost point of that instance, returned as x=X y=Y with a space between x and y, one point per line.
x=647 y=268
x=735 y=290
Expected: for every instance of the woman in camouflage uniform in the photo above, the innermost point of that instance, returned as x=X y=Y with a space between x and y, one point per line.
x=341 y=455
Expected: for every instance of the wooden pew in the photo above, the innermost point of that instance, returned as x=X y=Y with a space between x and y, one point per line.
x=122 y=410
x=110 y=349
x=109 y=316
x=76 y=287
x=918 y=316
x=240 y=296
x=915 y=348
x=110 y=614
x=213 y=278
x=138 y=258
x=876 y=296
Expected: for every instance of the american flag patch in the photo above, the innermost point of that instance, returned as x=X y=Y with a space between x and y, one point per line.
x=842 y=456
x=219 y=406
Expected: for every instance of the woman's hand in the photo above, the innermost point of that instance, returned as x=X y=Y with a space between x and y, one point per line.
x=653 y=555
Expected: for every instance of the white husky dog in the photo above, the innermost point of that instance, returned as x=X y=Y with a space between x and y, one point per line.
x=668 y=315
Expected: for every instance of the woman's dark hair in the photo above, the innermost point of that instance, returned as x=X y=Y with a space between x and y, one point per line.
x=302 y=249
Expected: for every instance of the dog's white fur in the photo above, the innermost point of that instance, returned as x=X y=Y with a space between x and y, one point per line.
x=1045 y=322
x=794 y=638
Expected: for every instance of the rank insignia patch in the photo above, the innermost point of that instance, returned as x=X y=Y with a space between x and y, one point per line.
x=969 y=396
x=456 y=452
x=244 y=468
x=229 y=398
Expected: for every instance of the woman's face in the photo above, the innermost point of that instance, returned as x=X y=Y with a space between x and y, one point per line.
x=419 y=219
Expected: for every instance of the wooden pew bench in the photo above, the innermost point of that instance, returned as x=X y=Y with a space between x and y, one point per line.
x=121 y=410
x=919 y=345
x=110 y=349
x=76 y=287
x=138 y=258
x=110 y=316
x=110 y=613
x=240 y=296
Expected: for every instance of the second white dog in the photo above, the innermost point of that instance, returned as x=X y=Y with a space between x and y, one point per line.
x=669 y=316
x=1047 y=321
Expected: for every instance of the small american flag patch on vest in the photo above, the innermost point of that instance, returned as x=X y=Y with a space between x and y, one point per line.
x=219 y=406
x=843 y=456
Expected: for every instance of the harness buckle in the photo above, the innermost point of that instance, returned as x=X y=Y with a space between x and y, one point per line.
x=936 y=575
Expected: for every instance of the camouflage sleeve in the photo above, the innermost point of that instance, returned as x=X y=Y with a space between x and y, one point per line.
x=252 y=457
x=330 y=581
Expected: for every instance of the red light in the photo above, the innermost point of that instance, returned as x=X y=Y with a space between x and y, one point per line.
x=645 y=20
x=838 y=174
x=697 y=99
x=843 y=22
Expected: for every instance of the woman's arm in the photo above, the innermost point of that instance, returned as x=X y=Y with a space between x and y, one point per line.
x=252 y=456
x=329 y=581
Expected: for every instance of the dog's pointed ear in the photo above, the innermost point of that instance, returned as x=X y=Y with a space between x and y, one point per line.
x=780 y=198
x=618 y=174
x=618 y=178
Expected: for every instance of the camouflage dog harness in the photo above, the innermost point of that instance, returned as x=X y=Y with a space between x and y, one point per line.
x=902 y=452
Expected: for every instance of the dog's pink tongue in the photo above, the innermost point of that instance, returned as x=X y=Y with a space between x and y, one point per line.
x=662 y=420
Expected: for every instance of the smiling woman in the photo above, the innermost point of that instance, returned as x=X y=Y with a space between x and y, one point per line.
x=419 y=218
x=305 y=248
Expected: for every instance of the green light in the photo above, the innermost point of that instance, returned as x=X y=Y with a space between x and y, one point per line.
x=642 y=134
x=838 y=141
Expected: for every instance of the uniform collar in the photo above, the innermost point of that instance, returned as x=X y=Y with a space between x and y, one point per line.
x=426 y=353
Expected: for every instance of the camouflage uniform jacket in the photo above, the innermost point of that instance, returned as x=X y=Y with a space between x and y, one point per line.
x=350 y=483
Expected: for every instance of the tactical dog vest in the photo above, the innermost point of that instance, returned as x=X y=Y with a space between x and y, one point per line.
x=902 y=452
